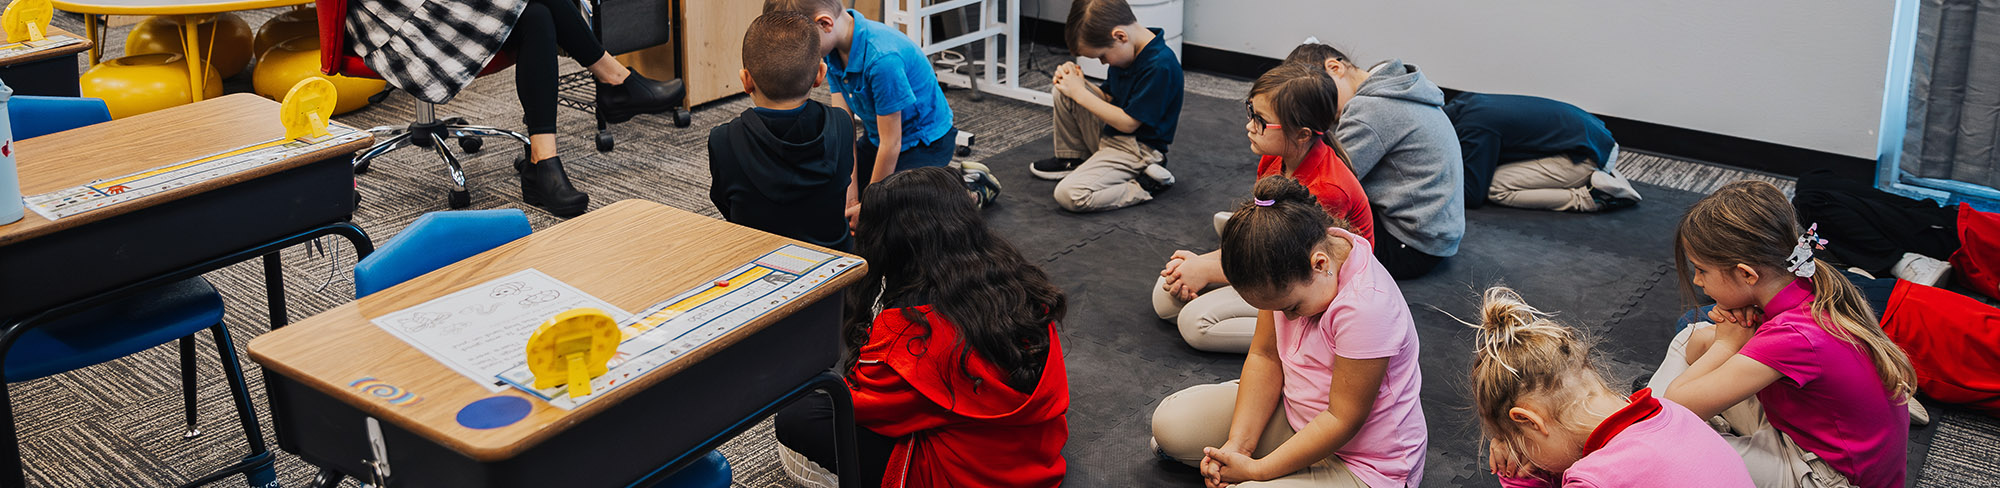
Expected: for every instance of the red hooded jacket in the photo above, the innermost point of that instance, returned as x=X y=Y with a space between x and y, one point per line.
x=910 y=387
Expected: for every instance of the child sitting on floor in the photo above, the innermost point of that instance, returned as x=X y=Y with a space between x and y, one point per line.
x=1811 y=391
x=783 y=165
x=958 y=375
x=1111 y=142
x=1289 y=106
x=1551 y=420
x=1328 y=395
x=1402 y=147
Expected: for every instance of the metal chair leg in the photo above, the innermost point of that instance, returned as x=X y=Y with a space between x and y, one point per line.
x=188 y=383
x=258 y=469
x=393 y=143
x=460 y=197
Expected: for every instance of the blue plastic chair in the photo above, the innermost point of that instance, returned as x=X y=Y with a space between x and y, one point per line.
x=35 y=116
x=438 y=239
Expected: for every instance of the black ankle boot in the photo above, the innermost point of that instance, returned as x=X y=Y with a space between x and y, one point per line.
x=638 y=95
x=545 y=185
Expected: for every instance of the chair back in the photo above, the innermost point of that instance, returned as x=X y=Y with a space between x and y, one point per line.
x=34 y=116
x=332 y=34
x=436 y=239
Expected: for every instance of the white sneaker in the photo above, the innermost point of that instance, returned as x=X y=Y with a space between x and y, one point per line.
x=1614 y=184
x=1921 y=269
x=1918 y=415
x=803 y=471
x=1222 y=220
x=1861 y=272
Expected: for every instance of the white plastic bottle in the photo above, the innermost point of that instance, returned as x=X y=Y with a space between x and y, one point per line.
x=10 y=182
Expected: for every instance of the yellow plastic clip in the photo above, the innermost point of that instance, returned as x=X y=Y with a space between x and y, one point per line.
x=27 y=20
x=572 y=348
x=308 y=108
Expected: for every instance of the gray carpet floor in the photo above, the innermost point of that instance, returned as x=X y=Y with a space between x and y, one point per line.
x=117 y=424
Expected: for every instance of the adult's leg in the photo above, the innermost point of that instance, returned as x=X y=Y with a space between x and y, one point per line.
x=1109 y=178
x=1219 y=321
x=806 y=428
x=534 y=42
x=1552 y=183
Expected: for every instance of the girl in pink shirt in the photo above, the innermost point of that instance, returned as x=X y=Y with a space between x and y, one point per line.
x=1811 y=389
x=1329 y=390
x=1551 y=420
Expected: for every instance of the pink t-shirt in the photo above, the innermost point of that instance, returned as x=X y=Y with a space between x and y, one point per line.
x=1830 y=399
x=1674 y=448
x=1368 y=319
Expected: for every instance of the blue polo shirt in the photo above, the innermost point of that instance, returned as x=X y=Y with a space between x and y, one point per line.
x=885 y=73
x=1149 y=91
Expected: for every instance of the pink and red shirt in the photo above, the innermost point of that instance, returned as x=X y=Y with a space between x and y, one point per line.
x=1652 y=442
x=1830 y=400
x=1368 y=319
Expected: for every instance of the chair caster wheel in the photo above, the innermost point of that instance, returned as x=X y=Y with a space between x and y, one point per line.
x=604 y=142
x=459 y=199
x=471 y=145
x=963 y=151
x=361 y=168
x=378 y=97
x=682 y=118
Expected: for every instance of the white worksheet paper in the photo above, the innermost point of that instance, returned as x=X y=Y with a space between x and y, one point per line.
x=483 y=330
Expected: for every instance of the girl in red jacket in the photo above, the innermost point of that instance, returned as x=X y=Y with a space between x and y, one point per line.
x=958 y=375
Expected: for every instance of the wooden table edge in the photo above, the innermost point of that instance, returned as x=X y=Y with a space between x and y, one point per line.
x=503 y=449
x=176 y=9
x=121 y=208
x=69 y=50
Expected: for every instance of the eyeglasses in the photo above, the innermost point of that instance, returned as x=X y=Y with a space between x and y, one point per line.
x=1259 y=120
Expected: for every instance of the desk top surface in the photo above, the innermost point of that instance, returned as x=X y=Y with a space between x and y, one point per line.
x=167 y=7
x=632 y=254
x=68 y=50
x=146 y=141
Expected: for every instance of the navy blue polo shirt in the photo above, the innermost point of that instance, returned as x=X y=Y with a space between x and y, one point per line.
x=1149 y=91
x=885 y=74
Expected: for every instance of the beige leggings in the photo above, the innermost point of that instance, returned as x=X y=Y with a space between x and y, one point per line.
x=1216 y=321
x=1199 y=417
x=1774 y=460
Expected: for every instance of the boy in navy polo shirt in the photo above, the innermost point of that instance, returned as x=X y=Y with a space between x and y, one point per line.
x=877 y=73
x=1111 y=142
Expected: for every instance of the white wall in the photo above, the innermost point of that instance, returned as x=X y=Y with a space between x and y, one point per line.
x=1807 y=73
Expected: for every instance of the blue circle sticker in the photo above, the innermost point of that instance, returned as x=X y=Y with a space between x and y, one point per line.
x=494 y=412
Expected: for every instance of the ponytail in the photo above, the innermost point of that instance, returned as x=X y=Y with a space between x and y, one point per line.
x=1268 y=242
x=1839 y=307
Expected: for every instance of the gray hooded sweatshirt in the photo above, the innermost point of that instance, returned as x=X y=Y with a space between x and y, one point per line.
x=1406 y=155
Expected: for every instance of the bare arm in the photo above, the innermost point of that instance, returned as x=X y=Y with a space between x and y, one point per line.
x=891 y=128
x=1073 y=85
x=1355 y=384
x=1721 y=378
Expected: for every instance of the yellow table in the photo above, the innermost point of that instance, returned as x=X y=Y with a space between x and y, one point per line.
x=185 y=9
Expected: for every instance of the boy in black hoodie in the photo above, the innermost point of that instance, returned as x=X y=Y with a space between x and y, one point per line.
x=783 y=166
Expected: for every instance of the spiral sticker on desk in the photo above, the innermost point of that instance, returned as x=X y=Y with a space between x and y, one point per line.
x=383 y=390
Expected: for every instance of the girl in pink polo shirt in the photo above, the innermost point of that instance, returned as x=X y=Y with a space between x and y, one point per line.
x=1812 y=391
x=1551 y=420
x=1328 y=395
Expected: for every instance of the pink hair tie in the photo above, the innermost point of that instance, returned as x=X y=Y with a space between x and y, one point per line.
x=1263 y=203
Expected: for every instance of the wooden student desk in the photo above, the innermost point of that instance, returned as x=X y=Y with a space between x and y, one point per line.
x=55 y=267
x=49 y=72
x=632 y=254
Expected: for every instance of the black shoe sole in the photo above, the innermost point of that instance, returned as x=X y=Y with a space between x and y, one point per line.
x=566 y=211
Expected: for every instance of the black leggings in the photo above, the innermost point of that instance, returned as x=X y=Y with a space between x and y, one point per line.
x=806 y=427
x=544 y=26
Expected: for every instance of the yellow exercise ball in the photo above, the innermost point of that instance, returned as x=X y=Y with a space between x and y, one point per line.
x=226 y=39
x=137 y=84
x=297 y=59
x=291 y=24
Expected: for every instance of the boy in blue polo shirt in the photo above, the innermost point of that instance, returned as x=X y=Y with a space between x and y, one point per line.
x=1111 y=142
x=879 y=75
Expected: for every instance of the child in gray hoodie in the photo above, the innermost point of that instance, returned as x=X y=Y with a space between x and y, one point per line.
x=1402 y=147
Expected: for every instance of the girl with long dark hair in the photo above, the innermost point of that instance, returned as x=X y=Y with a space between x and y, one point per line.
x=956 y=373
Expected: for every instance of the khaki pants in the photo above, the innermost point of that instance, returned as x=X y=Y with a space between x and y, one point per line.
x=1215 y=321
x=1774 y=460
x=1552 y=183
x=1107 y=179
x=1199 y=417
